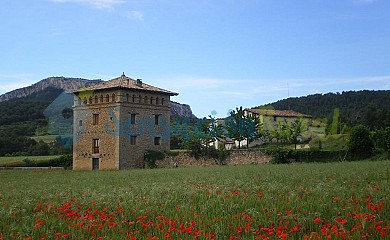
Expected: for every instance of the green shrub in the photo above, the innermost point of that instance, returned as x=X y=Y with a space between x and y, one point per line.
x=280 y=156
x=150 y=158
x=360 y=144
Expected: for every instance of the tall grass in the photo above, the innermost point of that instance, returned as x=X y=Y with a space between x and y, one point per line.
x=294 y=201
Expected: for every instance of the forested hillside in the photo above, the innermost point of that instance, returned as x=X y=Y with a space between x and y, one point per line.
x=371 y=108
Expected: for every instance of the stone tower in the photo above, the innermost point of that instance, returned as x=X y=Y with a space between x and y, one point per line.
x=117 y=121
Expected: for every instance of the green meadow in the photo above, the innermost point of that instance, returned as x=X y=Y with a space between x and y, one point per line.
x=345 y=200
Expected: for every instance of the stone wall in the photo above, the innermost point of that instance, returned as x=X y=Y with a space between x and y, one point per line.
x=237 y=157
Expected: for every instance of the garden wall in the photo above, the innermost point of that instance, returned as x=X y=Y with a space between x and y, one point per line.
x=236 y=157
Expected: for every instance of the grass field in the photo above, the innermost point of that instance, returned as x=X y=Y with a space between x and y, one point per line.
x=21 y=158
x=348 y=200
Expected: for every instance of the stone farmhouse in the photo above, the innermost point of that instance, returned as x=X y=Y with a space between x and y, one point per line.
x=272 y=118
x=117 y=121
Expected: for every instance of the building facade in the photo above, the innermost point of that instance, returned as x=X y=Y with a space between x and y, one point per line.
x=117 y=121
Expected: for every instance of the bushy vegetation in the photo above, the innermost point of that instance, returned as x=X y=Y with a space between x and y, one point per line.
x=64 y=161
x=306 y=201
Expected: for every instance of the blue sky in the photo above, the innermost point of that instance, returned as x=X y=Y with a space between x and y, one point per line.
x=217 y=54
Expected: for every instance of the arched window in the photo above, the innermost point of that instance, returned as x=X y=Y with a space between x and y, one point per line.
x=107 y=98
x=157 y=101
x=113 y=97
x=151 y=100
x=90 y=100
x=146 y=100
x=162 y=101
x=96 y=99
x=133 y=98
x=101 y=98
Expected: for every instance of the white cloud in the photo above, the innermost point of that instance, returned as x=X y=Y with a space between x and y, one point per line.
x=136 y=15
x=99 y=4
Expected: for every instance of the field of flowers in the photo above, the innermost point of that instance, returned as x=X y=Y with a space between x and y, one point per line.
x=347 y=200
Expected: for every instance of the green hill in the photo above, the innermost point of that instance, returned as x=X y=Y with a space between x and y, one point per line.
x=371 y=108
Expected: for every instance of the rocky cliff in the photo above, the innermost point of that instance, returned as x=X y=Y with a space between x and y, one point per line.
x=183 y=110
x=55 y=82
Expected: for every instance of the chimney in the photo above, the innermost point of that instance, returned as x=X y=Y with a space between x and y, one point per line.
x=139 y=82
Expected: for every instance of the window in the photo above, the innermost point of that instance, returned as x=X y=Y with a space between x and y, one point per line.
x=274 y=118
x=107 y=98
x=80 y=123
x=133 y=140
x=151 y=100
x=101 y=98
x=132 y=118
x=145 y=99
x=157 y=140
x=113 y=97
x=162 y=101
x=133 y=98
x=157 y=101
x=140 y=99
x=156 y=117
x=127 y=97
x=95 y=119
x=95 y=146
x=90 y=100
x=96 y=99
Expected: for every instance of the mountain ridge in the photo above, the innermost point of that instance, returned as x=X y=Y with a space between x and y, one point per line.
x=69 y=84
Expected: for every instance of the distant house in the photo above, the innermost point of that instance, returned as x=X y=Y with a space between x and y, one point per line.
x=117 y=121
x=271 y=118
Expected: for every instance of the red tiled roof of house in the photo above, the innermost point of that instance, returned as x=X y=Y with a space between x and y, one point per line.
x=129 y=83
x=277 y=113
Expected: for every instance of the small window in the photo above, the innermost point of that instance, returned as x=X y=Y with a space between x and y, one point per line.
x=145 y=99
x=162 y=101
x=80 y=123
x=95 y=120
x=96 y=99
x=157 y=101
x=156 y=118
x=133 y=98
x=90 y=100
x=157 y=140
x=113 y=97
x=101 y=98
x=132 y=118
x=133 y=140
x=95 y=146
x=107 y=98
x=151 y=100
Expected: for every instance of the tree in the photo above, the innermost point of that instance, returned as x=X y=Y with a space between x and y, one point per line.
x=295 y=131
x=235 y=125
x=360 y=143
x=241 y=126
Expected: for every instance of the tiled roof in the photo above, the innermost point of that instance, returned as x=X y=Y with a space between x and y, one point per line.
x=277 y=113
x=129 y=83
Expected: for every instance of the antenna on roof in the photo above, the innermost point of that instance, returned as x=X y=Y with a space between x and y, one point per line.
x=123 y=74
